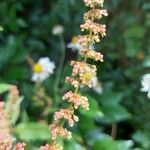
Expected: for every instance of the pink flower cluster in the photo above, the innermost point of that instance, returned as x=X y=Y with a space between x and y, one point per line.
x=19 y=146
x=67 y=114
x=77 y=100
x=95 y=14
x=59 y=131
x=81 y=68
x=92 y=54
x=72 y=81
x=93 y=3
x=84 y=40
x=94 y=27
x=54 y=146
x=83 y=72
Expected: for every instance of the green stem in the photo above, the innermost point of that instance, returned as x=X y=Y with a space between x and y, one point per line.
x=85 y=59
x=60 y=68
x=78 y=55
x=76 y=89
x=37 y=86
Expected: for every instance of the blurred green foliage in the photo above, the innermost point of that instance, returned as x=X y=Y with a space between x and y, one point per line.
x=27 y=31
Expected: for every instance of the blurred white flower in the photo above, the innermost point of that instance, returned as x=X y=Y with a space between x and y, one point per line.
x=42 y=69
x=146 y=84
x=96 y=85
x=74 y=45
x=58 y=30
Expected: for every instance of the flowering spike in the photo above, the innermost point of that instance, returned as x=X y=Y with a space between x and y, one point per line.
x=83 y=73
x=6 y=140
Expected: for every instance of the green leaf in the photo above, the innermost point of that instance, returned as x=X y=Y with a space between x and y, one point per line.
x=143 y=139
x=30 y=132
x=105 y=144
x=114 y=113
x=89 y=115
x=108 y=143
x=94 y=109
x=112 y=109
x=111 y=98
x=125 y=145
x=73 y=145
x=17 y=73
x=84 y=127
x=4 y=87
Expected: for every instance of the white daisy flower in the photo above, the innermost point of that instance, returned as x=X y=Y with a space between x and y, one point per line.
x=74 y=45
x=58 y=30
x=42 y=69
x=146 y=84
x=96 y=85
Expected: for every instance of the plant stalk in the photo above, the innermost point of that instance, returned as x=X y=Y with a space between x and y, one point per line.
x=114 y=130
x=60 y=68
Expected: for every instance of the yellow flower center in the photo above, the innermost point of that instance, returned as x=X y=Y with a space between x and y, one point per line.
x=74 y=39
x=37 y=68
x=87 y=76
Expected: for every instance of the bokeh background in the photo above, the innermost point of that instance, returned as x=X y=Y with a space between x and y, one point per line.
x=26 y=32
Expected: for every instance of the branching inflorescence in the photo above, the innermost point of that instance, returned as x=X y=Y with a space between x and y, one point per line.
x=6 y=140
x=82 y=74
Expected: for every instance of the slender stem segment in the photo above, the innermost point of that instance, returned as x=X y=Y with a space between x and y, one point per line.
x=60 y=68
x=114 y=130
